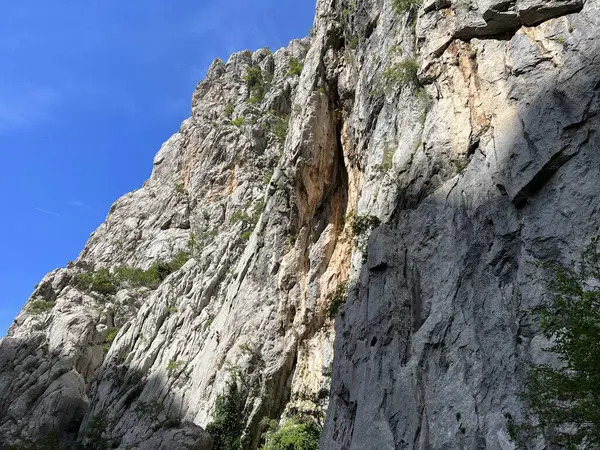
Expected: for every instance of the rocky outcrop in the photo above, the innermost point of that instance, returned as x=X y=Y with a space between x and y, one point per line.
x=495 y=172
x=460 y=135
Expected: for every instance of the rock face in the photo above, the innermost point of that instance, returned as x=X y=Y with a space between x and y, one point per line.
x=461 y=135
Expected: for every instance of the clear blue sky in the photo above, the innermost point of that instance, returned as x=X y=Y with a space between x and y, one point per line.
x=88 y=92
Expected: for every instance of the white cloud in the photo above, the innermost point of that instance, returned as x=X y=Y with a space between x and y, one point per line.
x=78 y=204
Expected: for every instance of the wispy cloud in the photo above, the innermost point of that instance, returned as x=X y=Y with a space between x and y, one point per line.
x=25 y=104
x=45 y=211
x=78 y=204
x=84 y=209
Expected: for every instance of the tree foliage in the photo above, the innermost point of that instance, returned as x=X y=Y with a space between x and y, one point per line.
x=39 y=306
x=106 y=282
x=257 y=83
x=229 y=421
x=49 y=442
x=403 y=6
x=294 y=435
x=296 y=67
x=337 y=300
x=564 y=399
x=402 y=74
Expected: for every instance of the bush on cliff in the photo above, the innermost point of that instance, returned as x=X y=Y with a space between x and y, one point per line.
x=228 y=420
x=106 y=282
x=564 y=399
x=294 y=435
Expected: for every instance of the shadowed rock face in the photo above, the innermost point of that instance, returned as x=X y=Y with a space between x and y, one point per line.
x=479 y=163
x=431 y=346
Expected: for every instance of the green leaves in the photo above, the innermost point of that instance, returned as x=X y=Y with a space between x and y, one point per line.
x=229 y=421
x=294 y=435
x=105 y=282
x=364 y=224
x=238 y=121
x=403 y=6
x=39 y=306
x=296 y=67
x=337 y=300
x=49 y=442
x=402 y=74
x=258 y=85
x=229 y=108
x=565 y=399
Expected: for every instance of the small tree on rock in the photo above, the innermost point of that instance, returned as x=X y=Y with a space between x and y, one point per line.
x=564 y=399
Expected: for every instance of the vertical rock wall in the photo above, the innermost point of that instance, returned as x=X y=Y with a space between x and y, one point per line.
x=423 y=159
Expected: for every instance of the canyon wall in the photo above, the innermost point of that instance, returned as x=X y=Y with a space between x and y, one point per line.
x=412 y=161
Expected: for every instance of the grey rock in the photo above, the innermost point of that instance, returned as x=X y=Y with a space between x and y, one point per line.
x=481 y=164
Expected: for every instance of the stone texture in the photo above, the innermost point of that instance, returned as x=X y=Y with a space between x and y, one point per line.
x=488 y=165
x=432 y=344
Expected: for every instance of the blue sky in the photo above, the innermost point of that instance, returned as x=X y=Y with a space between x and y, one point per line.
x=88 y=92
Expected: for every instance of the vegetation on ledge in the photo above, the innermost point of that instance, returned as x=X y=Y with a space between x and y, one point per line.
x=106 y=282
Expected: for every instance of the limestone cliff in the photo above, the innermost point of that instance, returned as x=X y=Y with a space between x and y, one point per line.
x=415 y=159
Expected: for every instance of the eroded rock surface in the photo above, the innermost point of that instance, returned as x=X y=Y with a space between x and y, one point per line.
x=467 y=128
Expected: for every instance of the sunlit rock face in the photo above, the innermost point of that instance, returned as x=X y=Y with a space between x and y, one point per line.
x=415 y=164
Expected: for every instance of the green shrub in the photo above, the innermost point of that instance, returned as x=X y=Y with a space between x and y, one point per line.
x=361 y=227
x=403 y=6
x=246 y=235
x=101 y=281
x=401 y=74
x=426 y=103
x=238 y=122
x=125 y=276
x=179 y=261
x=266 y=178
x=229 y=418
x=110 y=337
x=150 y=410
x=259 y=208
x=337 y=300
x=242 y=216
x=105 y=282
x=294 y=435
x=350 y=9
x=364 y=224
x=353 y=42
x=194 y=243
x=388 y=158
x=92 y=437
x=179 y=189
x=279 y=128
x=460 y=164
x=239 y=216
x=229 y=108
x=564 y=399
x=49 y=442
x=39 y=306
x=253 y=76
x=323 y=394
x=295 y=67
x=175 y=367
x=255 y=358
x=256 y=83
